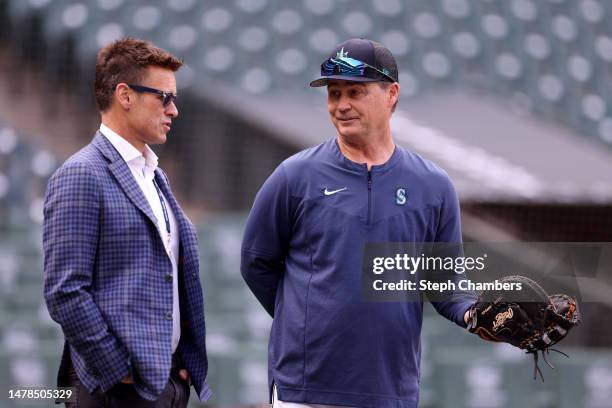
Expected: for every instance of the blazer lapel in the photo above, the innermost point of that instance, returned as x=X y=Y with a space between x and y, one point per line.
x=122 y=173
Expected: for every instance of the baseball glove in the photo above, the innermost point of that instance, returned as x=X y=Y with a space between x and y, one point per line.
x=529 y=319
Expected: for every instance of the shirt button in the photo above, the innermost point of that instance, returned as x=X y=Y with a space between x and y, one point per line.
x=169 y=316
x=168 y=278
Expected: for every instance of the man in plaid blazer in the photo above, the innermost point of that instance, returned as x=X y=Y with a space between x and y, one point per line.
x=121 y=272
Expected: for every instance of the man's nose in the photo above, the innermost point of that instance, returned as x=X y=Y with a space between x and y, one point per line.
x=172 y=110
x=343 y=104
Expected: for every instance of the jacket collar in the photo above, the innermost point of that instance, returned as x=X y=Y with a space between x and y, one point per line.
x=120 y=170
x=362 y=167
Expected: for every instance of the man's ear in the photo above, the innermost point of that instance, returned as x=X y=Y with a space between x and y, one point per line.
x=394 y=91
x=123 y=96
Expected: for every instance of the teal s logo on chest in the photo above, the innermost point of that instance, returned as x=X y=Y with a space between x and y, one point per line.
x=400 y=196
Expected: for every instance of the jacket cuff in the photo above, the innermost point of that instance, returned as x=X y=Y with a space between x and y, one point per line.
x=112 y=368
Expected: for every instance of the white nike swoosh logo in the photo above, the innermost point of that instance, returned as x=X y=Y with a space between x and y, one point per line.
x=328 y=193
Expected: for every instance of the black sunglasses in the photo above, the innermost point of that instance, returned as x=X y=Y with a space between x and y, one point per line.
x=167 y=97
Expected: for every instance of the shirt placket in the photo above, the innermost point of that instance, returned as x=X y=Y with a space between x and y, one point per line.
x=168 y=234
x=147 y=175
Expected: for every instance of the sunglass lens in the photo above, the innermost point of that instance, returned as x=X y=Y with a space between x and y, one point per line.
x=347 y=66
x=168 y=98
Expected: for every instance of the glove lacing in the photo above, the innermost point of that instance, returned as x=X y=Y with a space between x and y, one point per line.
x=545 y=352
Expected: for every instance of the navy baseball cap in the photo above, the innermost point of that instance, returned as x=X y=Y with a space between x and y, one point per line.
x=358 y=60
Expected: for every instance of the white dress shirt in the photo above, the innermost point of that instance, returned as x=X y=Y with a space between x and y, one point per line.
x=143 y=168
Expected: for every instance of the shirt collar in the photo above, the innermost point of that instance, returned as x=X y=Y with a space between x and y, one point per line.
x=128 y=152
x=363 y=167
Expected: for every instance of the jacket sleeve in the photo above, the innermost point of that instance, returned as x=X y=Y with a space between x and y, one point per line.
x=449 y=231
x=70 y=237
x=266 y=239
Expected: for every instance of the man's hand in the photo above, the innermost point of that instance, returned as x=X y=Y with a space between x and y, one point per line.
x=182 y=373
x=466 y=316
x=127 y=380
x=184 y=376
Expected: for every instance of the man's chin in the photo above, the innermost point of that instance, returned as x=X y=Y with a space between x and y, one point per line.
x=348 y=132
x=161 y=139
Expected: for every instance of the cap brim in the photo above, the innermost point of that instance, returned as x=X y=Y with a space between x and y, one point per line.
x=325 y=79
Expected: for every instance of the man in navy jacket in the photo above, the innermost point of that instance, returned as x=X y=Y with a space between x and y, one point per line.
x=302 y=247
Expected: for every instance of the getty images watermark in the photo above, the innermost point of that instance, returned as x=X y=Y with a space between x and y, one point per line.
x=442 y=271
x=435 y=264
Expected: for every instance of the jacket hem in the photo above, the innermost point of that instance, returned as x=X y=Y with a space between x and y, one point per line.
x=311 y=396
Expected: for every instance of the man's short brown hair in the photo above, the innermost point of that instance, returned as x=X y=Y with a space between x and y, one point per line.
x=124 y=61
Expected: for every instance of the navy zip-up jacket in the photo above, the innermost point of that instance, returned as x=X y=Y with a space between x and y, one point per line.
x=302 y=257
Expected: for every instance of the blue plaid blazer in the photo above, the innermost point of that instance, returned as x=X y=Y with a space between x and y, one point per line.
x=105 y=277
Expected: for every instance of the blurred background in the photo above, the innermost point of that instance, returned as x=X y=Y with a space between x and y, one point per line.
x=512 y=97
